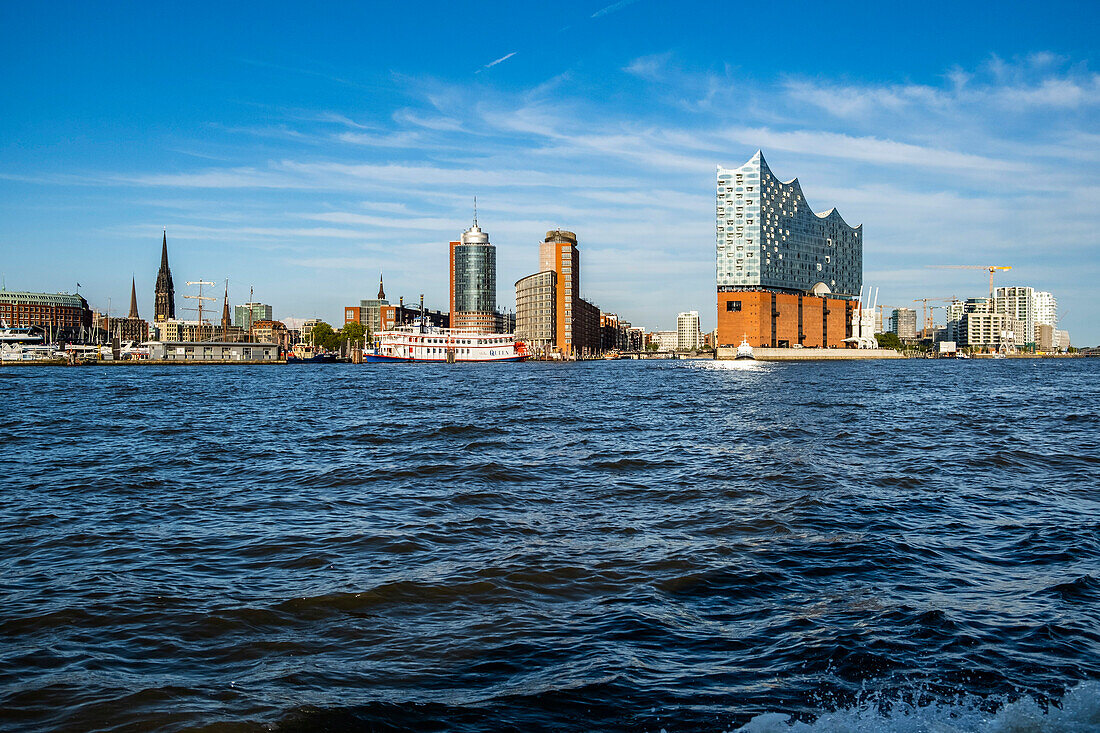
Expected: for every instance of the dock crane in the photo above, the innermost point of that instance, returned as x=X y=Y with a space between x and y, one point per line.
x=989 y=268
x=927 y=313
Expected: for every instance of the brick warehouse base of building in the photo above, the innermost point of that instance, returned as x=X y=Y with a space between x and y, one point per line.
x=777 y=320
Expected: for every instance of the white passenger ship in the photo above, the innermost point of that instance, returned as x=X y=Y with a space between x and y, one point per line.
x=446 y=345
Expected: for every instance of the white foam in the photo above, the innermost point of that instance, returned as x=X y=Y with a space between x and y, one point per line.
x=1077 y=712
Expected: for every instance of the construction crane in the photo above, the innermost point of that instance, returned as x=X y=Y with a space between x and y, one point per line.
x=881 y=316
x=988 y=268
x=927 y=317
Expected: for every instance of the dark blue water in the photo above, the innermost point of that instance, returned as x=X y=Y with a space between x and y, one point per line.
x=688 y=546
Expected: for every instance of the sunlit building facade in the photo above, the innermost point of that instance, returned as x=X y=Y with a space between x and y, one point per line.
x=473 y=275
x=785 y=274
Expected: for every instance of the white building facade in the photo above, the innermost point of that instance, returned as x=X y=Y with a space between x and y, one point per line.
x=688 y=335
x=768 y=237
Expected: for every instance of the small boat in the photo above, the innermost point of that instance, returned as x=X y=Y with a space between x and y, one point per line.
x=744 y=350
x=305 y=354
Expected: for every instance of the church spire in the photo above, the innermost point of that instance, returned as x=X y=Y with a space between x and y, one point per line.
x=225 y=313
x=133 y=298
x=381 y=292
x=165 y=305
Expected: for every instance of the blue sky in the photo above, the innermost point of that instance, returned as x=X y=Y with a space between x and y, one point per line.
x=301 y=149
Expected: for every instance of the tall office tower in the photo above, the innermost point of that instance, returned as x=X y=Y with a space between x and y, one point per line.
x=1046 y=309
x=473 y=274
x=785 y=275
x=688 y=336
x=903 y=322
x=1021 y=305
x=164 y=305
x=245 y=315
x=558 y=252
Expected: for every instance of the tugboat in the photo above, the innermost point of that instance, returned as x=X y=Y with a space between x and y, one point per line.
x=744 y=350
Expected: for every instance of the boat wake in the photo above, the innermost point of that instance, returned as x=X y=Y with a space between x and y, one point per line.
x=1077 y=712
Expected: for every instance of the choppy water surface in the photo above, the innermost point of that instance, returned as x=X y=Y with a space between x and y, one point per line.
x=688 y=546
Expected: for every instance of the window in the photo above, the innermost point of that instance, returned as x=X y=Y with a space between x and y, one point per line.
x=733 y=306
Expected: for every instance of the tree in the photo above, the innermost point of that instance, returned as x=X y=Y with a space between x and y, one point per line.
x=322 y=336
x=889 y=341
x=356 y=332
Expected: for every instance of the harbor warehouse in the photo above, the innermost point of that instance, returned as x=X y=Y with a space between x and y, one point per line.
x=786 y=276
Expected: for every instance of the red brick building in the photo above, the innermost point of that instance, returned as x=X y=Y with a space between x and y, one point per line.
x=771 y=319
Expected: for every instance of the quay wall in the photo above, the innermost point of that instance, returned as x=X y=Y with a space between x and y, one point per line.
x=768 y=354
x=139 y=362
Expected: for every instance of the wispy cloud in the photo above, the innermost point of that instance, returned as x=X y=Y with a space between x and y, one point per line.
x=997 y=160
x=501 y=60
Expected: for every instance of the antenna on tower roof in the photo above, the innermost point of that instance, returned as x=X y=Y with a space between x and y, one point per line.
x=475 y=211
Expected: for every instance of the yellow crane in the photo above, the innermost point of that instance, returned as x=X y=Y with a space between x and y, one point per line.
x=927 y=328
x=989 y=268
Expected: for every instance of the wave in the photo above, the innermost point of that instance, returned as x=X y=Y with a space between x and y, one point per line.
x=1077 y=712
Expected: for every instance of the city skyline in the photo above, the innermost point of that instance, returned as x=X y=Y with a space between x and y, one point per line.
x=305 y=167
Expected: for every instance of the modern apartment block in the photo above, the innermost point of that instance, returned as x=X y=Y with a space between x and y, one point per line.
x=576 y=322
x=245 y=315
x=1046 y=308
x=369 y=311
x=1030 y=307
x=976 y=323
x=665 y=340
x=903 y=322
x=785 y=274
x=688 y=335
x=473 y=276
x=536 y=311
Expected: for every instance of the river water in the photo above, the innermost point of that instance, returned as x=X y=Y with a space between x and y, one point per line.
x=686 y=546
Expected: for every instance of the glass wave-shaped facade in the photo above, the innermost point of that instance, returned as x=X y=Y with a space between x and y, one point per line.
x=768 y=237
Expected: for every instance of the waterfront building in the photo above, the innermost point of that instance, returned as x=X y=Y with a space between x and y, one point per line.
x=271 y=332
x=213 y=351
x=164 y=305
x=62 y=316
x=688 y=336
x=536 y=311
x=986 y=328
x=785 y=274
x=473 y=281
x=393 y=316
x=613 y=333
x=550 y=313
x=1046 y=309
x=244 y=316
x=585 y=328
x=577 y=327
x=307 y=329
x=369 y=312
x=506 y=322
x=132 y=327
x=181 y=330
x=665 y=340
x=636 y=338
x=903 y=322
